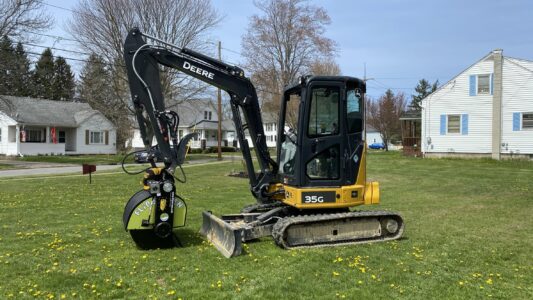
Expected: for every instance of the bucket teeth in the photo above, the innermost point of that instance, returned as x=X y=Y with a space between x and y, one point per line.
x=226 y=238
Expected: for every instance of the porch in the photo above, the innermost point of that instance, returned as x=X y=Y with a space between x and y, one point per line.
x=411 y=132
x=39 y=140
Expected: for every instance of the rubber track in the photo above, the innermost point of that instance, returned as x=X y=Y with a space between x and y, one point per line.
x=281 y=226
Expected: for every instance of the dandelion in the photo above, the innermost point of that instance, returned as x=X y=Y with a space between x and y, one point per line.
x=171 y=292
x=360 y=282
x=461 y=283
x=336 y=273
x=489 y=281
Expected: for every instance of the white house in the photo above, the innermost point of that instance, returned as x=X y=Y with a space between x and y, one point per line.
x=485 y=111
x=373 y=135
x=199 y=116
x=31 y=126
x=270 y=126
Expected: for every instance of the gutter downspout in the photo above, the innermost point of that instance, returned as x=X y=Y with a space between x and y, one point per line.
x=497 y=104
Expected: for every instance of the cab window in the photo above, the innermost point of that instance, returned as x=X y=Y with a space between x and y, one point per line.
x=324 y=113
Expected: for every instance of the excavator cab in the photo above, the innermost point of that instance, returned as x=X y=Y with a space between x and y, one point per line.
x=321 y=128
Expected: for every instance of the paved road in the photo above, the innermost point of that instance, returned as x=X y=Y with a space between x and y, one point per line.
x=31 y=168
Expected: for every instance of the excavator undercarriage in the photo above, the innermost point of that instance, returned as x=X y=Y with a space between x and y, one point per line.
x=292 y=229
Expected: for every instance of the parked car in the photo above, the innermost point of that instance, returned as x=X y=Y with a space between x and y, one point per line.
x=142 y=156
x=376 y=146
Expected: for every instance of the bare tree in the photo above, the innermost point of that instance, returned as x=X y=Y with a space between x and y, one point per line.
x=100 y=27
x=282 y=43
x=324 y=67
x=384 y=115
x=17 y=17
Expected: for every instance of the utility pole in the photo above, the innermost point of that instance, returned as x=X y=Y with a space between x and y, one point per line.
x=219 y=109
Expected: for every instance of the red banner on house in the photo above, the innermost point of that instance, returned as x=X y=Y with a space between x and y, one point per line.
x=54 y=136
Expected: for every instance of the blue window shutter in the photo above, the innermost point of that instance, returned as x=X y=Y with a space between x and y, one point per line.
x=492 y=84
x=473 y=85
x=464 y=124
x=442 y=124
x=516 y=121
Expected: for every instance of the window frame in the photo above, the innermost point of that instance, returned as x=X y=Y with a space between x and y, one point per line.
x=522 y=124
x=448 y=124
x=483 y=92
x=91 y=140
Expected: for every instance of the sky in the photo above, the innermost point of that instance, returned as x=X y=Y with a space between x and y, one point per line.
x=399 y=41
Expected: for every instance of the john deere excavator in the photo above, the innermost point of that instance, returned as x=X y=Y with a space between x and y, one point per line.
x=303 y=198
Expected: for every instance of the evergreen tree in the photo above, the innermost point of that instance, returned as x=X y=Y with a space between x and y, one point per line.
x=98 y=86
x=43 y=77
x=95 y=84
x=63 y=84
x=6 y=66
x=21 y=73
x=423 y=89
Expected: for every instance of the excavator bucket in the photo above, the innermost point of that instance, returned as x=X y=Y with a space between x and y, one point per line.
x=226 y=238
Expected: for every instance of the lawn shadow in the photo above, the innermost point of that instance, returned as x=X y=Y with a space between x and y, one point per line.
x=189 y=237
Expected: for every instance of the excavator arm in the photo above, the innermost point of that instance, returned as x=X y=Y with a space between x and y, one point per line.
x=142 y=62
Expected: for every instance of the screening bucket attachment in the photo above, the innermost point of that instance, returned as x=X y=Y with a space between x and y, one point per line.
x=225 y=237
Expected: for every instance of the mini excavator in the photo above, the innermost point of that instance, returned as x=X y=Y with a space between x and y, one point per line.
x=303 y=198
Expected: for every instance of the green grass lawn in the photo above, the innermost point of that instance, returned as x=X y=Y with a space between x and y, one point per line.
x=468 y=235
x=5 y=167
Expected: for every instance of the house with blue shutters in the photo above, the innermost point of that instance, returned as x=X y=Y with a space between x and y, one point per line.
x=485 y=111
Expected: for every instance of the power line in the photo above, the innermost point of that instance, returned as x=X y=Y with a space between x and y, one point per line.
x=55 y=48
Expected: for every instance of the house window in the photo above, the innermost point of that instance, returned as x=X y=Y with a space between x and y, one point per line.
x=209 y=115
x=483 y=84
x=97 y=137
x=527 y=120
x=205 y=115
x=34 y=136
x=454 y=123
x=61 y=137
x=180 y=134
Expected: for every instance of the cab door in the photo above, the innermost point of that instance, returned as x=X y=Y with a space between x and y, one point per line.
x=322 y=142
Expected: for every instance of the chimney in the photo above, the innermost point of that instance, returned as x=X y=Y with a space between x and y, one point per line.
x=497 y=57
